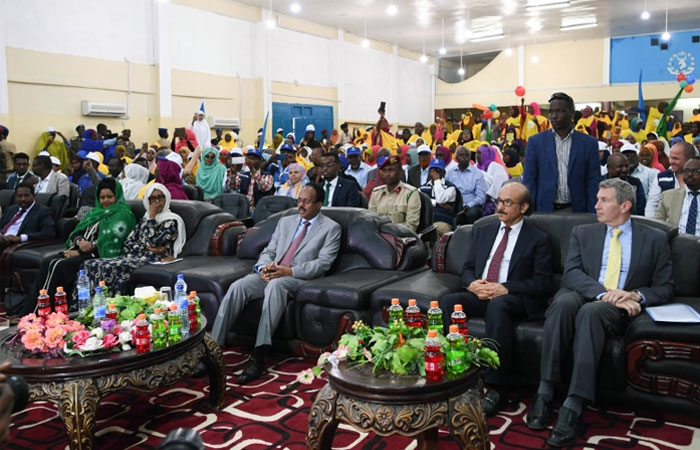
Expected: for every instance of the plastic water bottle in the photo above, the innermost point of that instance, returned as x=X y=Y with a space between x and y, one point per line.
x=460 y=319
x=433 y=357
x=99 y=307
x=143 y=336
x=181 y=302
x=413 y=314
x=395 y=312
x=455 y=352
x=174 y=331
x=43 y=302
x=435 y=317
x=160 y=335
x=83 y=287
x=60 y=304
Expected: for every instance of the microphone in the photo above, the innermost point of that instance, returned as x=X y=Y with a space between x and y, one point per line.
x=182 y=439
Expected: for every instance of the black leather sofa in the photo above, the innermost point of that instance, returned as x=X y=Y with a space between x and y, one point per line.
x=653 y=366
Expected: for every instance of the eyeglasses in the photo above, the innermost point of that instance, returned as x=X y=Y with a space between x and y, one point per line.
x=305 y=201
x=327 y=165
x=691 y=171
x=507 y=202
x=156 y=199
x=210 y=156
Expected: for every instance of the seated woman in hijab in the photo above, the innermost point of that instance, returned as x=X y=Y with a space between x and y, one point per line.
x=169 y=176
x=135 y=178
x=211 y=173
x=495 y=174
x=159 y=236
x=292 y=187
x=511 y=158
x=100 y=234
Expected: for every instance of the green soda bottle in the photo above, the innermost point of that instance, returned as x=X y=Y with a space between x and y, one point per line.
x=160 y=335
x=435 y=317
x=395 y=312
x=455 y=352
x=175 y=329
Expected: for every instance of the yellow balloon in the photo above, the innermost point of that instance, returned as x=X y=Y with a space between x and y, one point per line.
x=496 y=114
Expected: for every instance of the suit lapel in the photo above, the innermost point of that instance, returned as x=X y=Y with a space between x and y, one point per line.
x=518 y=249
x=491 y=233
x=27 y=218
x=338 y=186
x=596 y=252
x=552 y=144
x=572 y=154
x=286 y=240
x=309 y=234
x=677 y=205
x=637 y=243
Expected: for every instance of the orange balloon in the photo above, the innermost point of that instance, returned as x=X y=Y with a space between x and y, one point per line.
x=689 y=88
x=480 y=107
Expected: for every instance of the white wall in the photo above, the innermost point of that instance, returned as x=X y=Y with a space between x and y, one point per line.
x=367 y=81
x=105 y=29
x=414 y=91
x=302 y=58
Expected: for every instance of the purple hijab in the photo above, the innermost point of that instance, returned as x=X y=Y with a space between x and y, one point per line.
x=487 y=157
x=169 y=176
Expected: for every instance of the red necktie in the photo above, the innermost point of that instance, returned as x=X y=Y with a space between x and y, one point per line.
x=495 y=266
x=17 y=216
x=289 y=255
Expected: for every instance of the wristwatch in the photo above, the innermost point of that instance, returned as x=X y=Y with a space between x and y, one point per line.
x=639 y=300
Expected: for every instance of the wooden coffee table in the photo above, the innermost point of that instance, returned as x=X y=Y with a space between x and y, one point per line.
x=408 y=406
x=76 y=385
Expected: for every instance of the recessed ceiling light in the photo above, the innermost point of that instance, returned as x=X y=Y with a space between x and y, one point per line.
x=423 y=59
x=508 y=51
x=579 y=26
x=442 y=50
x=270 y=23
x=645 y=15
x=487 y=38
x=666 y=36
x=534 y=59
x=461 y=71
x=392 y=10
x=535 y=5
x=295 y=7
x=365 y=43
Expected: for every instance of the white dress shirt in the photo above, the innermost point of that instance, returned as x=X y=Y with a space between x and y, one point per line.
x=14 y=228
x=654 y=196
x=424 y=175
x=334 y=183
x=505 y=262
x=684 y=213
x=43 y=183
x=646 y=175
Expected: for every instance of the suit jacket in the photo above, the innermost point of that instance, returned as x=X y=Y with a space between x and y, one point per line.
x=650 y=264
x=670 y=206
x=12 y=179
x=38 y=224
x=541 y=173
x=530 y=268
x=316 y=252
x=414 y=176
x=58 y=184
x=346 y=193
x=641 y=199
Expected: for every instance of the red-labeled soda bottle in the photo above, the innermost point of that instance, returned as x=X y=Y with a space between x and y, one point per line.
x=433 y=357
x=412 y=314
x=143 y=336
x=460 y=319
x=60 y=304
x=43 y=304
x=192 y=313
x=112 y=312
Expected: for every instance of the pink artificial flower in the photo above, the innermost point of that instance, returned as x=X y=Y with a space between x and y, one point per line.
x=80 y=337
x=26 y=321
x=110 y=341
x=116 y=330
x=54 y=337
x=368 y=355
x=32 y=340
x=56 y=319
x=73 y=325
x=305 y=376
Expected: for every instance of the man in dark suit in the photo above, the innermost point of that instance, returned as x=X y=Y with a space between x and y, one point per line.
x=507 y=277
x=25 y=220
x=338 y=191
x=618 y=167
x=418 y=175
x=21 y=173
x=613 y=269
x=292 y=257
x=562 y=166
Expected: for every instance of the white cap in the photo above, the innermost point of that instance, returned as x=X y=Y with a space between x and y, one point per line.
x=628 y=147
x=280 y=130
x=174 y=157
x=424 y=149
x=55 y=161
x=44 y=153
x=236 y=151
x=310 y=127
x=290 y=134
x=250 y=148
x=602 y=145
x=93 y=156
x=51 y=129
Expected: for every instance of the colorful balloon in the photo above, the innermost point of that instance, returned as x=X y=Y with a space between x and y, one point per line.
x=520 y=91
x=479 y=107
x=680 y=77
x=690 y=79
x=496 y=114
x=683 y=84
x=487 y=114
x=493 y=107
x=689 y=88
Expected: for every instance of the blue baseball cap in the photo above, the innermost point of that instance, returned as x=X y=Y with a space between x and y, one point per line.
x=255 y=152
x=287 y=147
x=437 y=164
x=353 y=151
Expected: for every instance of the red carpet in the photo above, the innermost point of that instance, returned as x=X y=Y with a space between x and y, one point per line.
x=272 y=413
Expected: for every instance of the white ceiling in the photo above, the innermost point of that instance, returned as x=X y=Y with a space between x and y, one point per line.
x=416 y=20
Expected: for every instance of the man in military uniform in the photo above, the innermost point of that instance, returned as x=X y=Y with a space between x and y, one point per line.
x=397 y=200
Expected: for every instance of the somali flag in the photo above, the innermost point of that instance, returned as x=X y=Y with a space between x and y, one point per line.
x=264 y=132
x=640 y=101
x=201 y=108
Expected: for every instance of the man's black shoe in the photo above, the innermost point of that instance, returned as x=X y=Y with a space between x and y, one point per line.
x=567 y=429
x=494 y=401
x=540 y=414
x=253 y=370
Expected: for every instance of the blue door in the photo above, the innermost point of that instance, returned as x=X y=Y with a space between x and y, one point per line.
x=294 y=117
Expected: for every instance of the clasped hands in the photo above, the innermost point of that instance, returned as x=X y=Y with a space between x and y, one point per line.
x=487 y=290
x=272 y=271
x=629 y=301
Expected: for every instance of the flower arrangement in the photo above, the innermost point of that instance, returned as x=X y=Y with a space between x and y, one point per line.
x=45 y=337
x=109 y=336
x=399 y=350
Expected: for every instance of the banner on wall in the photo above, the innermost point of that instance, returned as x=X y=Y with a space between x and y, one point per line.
x=661 y=61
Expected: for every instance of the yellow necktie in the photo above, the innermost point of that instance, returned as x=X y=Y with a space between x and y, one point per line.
x=612 y=272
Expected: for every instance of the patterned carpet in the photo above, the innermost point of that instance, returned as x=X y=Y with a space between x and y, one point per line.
x=273 y=413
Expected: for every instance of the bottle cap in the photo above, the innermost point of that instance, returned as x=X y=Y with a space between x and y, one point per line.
x=112 y=306
x=102 y=283
x=394 y=301
x=432 y=333
x=173 y=307
x=458 y=307
x=180 y=276
x=191 y=296
x=142 y=317
x=59 y=289
x=412 y=302
x=42 y=292
x=454 y=328
x=434 y=304
x=157 y=310
x=193 y=293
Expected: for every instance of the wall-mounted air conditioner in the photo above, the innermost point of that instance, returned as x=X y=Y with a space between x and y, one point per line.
x=224 y=122
x=103 y=109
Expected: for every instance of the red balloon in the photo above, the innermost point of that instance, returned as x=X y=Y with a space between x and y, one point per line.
x=487 y=114
x=520 y=91
x=680 y=77
x=689 y=88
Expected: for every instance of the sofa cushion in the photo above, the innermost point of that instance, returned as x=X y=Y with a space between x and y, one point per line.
x=685 y=253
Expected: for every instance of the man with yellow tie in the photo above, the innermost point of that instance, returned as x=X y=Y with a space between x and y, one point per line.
x=613 y=269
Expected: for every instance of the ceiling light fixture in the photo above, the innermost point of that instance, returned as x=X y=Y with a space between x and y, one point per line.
x=534 y=59
x=508 y=51
x=271 y=22
x=461 y=64
x=645 y=13
x=578 y=26
x=365 y=41
x=666 y=36
x=295 y=7
x=443 y=50
x=488 y=38
x=537 y=5
x=423 y=58
x=392 y=9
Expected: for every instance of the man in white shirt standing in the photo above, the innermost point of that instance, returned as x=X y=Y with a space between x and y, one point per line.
x=50 y=182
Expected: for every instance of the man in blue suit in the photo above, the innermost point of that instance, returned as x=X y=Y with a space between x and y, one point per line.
x=338 y=191
x=562 y=166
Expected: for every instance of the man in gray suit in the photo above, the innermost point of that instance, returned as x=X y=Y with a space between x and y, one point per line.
x=302 y=248
x=679 y=206
x=49 y=181
x=613 y=269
